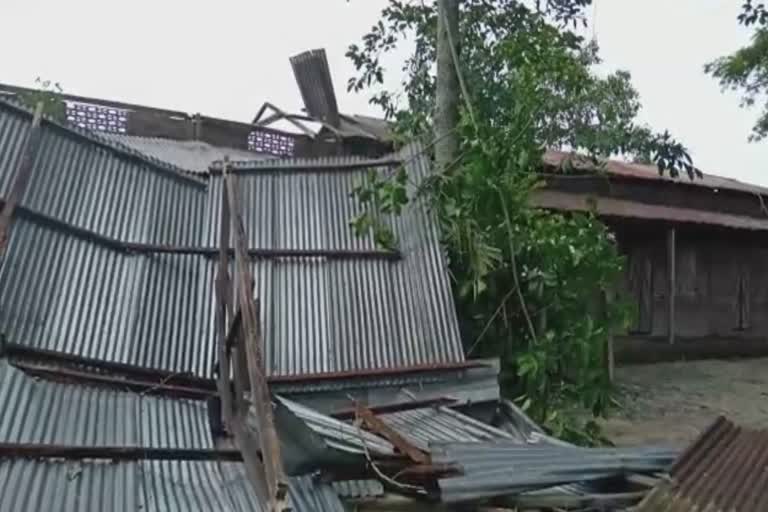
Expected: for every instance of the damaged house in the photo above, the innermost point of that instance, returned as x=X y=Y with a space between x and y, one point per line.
x=189 y=323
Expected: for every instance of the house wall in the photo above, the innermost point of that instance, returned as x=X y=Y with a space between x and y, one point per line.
x=721 y=283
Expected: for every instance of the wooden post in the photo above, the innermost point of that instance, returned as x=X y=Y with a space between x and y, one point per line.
x=223 y=313
x=609 y=357
x=672 y=282
x=21 y=178
x=276 y=482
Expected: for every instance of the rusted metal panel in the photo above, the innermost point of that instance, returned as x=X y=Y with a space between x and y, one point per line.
x=722 y=470
x=647 y=172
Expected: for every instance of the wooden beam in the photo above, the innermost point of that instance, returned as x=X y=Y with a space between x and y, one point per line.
x=276 y=482
x=349 y=414
x=149 y=376
x=143 y=387
x=21 y=177
x=209 y=252
x=377 y=426
x=223 y=311
x=37 y=451
x=671 y=283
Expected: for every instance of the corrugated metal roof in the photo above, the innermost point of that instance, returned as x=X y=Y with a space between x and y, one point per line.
x=192 y=155
x=32 y=486
x=648 y=172
x=502 y=468
x=68 y=293
x=337 y=434
x=316 y=85
x=358 y=489
x=15 y=122
x=41 y=411
x=723 y=470
x=609 y=207
x=151 y=486
x=440 y=424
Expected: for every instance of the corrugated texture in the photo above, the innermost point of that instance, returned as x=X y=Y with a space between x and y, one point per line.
x=69 y=294
x=316 y=85
x=648 y=172
x=358 y=489
x=40 y=411
x=503 y=468
x=724 y=470
x=148 y=486
x=337 y=434
x=63 y=293
x=440 y=424
x=33 y=486
x=191 y=155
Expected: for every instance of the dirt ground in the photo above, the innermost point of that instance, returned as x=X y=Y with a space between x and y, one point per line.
x=669 y=403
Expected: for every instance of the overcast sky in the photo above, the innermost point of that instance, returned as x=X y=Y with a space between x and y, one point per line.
x=225 y=58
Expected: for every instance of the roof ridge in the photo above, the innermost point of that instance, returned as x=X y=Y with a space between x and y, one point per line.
x=101 y=140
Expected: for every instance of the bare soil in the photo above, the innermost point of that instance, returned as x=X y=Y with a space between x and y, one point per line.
x=670 y=403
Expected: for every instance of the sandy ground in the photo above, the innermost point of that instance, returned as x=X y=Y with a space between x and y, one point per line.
x=670 y=403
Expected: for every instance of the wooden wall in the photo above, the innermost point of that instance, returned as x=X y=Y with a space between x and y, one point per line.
x=721 y=284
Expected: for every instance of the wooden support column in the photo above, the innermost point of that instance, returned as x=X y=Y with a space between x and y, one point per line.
x=608 y=297
x=672 y=282
x=223 y=313
x=21 y=178
x=251 y=341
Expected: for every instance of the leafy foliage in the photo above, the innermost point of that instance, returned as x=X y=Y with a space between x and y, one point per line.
x=746 y=70
x=529 y=284
x=49 y=93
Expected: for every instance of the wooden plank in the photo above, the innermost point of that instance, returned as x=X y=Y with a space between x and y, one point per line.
x=223 y=310
x=149 y=376
x=21 y=177
x=28 y=450
x=671 y=283
x=377 y=426
x=276 y=481
x=143 y=387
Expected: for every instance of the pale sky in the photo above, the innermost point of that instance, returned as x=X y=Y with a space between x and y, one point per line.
x=226 y=58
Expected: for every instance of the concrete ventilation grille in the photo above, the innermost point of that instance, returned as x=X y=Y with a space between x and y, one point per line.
x=270 y=143
x=97 y=117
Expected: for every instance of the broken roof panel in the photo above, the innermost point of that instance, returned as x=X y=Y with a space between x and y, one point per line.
x=440 y=424
x=155 y=486
x=495 y=469
x=47 y=412
x=192 y=155
x=88 y=201
x=724 y=469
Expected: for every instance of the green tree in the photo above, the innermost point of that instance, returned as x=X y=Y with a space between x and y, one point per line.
x=746 y=70
x=49 y=93
x=527 y=283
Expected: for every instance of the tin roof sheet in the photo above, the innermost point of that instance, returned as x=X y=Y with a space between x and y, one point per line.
x=154 y=486
x=191 y=155
x=724 y=469
x=622 y=208
x=647 y=172
x=156 y=310
x=47 y=412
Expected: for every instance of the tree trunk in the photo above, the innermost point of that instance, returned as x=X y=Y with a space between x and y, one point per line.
x=447 y=86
